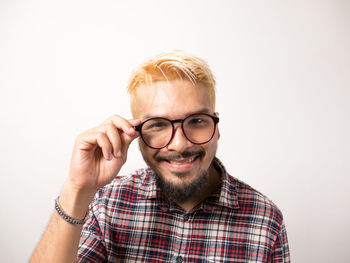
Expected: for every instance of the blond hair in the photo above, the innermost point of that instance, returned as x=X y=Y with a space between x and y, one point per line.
x=171 y=66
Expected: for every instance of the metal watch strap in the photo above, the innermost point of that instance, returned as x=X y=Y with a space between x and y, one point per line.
x=67 y=218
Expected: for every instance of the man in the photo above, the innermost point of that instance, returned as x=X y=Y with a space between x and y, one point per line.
x=185 y=207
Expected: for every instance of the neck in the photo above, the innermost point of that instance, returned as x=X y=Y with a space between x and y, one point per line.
x=212 y=183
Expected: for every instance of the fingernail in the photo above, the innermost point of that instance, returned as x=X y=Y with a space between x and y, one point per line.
x=119 y=153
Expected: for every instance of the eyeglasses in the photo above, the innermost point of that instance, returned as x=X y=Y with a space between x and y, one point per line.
x=198 y=128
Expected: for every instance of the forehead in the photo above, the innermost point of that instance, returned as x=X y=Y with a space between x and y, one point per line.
x=173 y=99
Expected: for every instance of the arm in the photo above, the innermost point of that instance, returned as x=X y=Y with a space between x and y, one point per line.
x=280 y=250
x=97 y=157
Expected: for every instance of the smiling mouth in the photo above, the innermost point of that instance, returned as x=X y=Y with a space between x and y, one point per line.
x=181 y=161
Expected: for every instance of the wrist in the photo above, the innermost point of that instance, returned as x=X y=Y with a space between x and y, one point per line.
x=75 y=202
x=68 y=218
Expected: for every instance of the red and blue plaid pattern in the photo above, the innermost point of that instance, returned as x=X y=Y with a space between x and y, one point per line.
x=132 y=221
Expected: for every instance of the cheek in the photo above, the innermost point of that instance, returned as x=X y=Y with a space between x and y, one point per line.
x=212 y=146
x=147 y=153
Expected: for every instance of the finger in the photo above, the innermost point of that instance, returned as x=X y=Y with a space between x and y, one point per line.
x=114 y=137
x=105 y=145
x=123 y=124
x=126 y=142
x=134 y=122
x=126 y=137
x=87 y=141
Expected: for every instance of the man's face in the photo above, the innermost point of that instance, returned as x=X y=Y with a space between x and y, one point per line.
x=180 y=166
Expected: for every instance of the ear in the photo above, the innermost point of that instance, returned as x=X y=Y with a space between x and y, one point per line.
x=218 y=131
x=138 y=144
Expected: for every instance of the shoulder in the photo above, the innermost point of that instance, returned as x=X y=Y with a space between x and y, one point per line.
x=137 y=178
x=253 y=202
x=124 y=187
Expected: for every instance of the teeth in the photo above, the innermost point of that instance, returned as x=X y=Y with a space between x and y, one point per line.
x=182 y=160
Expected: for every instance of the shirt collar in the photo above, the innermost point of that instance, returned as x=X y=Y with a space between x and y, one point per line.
x=149 y=188
x=225 y=195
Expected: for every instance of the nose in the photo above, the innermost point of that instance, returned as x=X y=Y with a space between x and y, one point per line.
x=179 y=142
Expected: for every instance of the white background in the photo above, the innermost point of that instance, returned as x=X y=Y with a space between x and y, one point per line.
x=283 y=92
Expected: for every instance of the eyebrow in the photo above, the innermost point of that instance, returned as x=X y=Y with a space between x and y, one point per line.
x=203 y=110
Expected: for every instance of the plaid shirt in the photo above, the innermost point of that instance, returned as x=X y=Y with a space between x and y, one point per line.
x=132 y=221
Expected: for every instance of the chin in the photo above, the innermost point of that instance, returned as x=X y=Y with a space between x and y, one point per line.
x=180 y=190
x=183 y=175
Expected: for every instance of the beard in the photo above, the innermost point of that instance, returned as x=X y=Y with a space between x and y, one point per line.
x=186 y=190
x=182 y=193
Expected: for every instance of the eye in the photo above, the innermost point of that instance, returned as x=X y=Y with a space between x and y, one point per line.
x=155 y=125
x=198 y=121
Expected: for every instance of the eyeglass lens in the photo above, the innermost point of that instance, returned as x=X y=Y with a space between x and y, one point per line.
x=197 y=128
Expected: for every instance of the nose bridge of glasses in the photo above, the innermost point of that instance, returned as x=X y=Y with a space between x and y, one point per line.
x=174 y=127
x=176 y=121
x=173 y=122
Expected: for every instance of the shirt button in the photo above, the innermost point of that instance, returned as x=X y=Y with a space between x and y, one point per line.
x=186 y=217
x=179 y=259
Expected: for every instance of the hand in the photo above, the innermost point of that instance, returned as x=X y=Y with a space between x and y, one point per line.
x=100 y=152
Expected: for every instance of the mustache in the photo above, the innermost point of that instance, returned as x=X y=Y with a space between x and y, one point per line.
x=176 y=156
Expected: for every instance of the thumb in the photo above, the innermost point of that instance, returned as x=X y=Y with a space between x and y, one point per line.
x=135 y=122
x=127 y=139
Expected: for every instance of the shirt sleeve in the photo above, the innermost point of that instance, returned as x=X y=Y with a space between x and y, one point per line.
x=280 y=249
x=91 y=246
